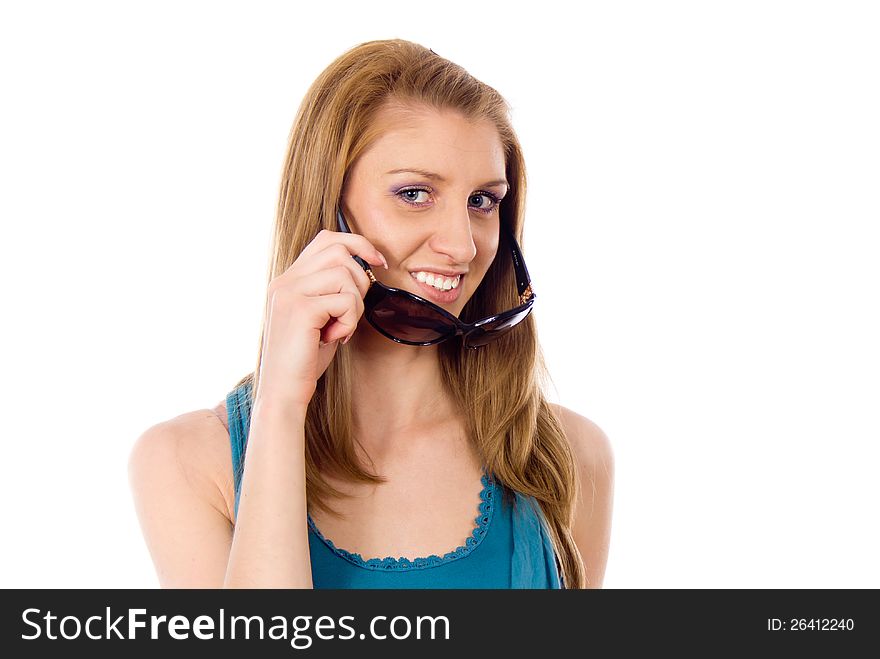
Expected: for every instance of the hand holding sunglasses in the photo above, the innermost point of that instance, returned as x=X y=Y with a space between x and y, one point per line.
x=412 y=320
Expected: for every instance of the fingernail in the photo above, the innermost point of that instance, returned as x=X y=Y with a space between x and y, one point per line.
x=384 y=262
x=346 y=339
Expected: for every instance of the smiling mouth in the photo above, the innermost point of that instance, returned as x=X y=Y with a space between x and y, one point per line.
x=438 y=281
x=432 y=292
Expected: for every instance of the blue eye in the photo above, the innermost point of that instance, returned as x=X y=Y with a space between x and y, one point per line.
x=410 y=195
x=493 y=201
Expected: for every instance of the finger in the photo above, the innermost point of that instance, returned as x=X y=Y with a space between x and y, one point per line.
x=335 y=279
x=336 y=314
x=328 y=282
x=334 y=255
x=356 y=244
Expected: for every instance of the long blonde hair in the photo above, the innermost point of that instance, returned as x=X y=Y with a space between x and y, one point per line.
x=500 y=387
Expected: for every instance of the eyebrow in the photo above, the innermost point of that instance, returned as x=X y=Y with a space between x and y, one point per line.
x=437 y=177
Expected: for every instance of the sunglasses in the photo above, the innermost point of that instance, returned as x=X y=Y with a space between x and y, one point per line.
x=412 y=320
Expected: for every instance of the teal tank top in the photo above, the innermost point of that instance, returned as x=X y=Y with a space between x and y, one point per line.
x=509 y=546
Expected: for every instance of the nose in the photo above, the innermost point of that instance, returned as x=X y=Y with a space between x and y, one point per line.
x=453 y=237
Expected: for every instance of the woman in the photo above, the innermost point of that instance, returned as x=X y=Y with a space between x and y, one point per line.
x=377 y=424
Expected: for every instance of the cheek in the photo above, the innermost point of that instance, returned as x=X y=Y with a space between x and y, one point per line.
x=487 y=248
x=385 y=235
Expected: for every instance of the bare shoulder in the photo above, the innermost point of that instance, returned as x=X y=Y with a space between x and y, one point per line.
x=589 y=443
x=194 y=445
x=594 y=460
x=180 y=476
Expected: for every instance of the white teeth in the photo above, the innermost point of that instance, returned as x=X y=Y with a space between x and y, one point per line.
x=439 y=282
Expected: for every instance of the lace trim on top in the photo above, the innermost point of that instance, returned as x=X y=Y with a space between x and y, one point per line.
x=482 y=521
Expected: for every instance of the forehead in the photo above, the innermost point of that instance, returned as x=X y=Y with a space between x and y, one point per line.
x=443 y=141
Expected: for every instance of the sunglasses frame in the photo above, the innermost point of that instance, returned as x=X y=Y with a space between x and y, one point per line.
x=379 y=291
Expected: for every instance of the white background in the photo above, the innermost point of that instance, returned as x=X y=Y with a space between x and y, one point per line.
x=701 y=230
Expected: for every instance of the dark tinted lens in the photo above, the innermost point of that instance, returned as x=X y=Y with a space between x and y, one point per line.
x=488 y=332
x=408 y=320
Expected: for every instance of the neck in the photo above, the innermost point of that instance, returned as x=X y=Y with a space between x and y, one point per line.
x=397 y=390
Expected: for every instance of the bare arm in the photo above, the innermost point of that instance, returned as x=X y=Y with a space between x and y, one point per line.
x=316 y=302
x=270 y=548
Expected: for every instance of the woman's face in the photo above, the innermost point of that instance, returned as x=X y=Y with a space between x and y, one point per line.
x=426 y=195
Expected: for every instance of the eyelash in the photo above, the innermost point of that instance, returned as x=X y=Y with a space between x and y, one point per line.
x=485 y=211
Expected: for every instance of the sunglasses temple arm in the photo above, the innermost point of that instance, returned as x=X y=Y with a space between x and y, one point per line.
x=523 y=280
